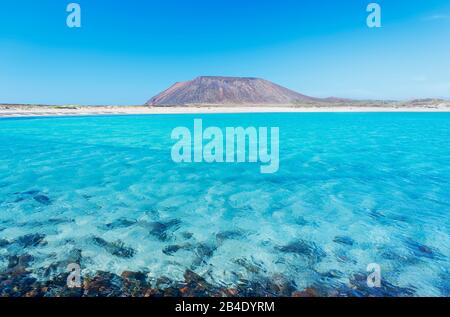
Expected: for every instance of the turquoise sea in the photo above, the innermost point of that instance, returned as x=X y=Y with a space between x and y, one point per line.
x=352 y=189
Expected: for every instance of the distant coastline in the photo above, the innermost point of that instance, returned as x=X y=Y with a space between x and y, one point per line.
x=18 y=111
x=219 y=94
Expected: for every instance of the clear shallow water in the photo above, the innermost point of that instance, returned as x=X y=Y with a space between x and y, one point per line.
x=352 y=189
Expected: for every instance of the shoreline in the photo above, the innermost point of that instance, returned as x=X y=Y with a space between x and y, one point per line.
x=47 y=111
x=19 y=280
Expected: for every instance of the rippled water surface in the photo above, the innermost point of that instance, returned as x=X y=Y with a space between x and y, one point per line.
x=352 y=189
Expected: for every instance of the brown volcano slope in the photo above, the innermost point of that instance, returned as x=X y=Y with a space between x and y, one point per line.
x=210 y=90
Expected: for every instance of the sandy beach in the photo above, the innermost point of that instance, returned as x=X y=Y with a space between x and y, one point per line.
x=56 y=111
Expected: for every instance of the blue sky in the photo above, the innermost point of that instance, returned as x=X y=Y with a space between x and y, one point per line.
x=127 y=51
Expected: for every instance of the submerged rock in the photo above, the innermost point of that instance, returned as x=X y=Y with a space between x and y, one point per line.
x=19 y=199
x=344 y=240
x=47 y=222
x=307 y=292
x=28 y=193
x=276 y=285
x=117 y=248
x=57 y=287
x=228 y=235
x=196 y=286
x=119 y=224
x=103 y=284
x=280 y=285
x=203 y=252
x=301 y=221
x=421 y=250
x=52 y=269
x=58 y=221
x=31 y=192
x=332 y=274
x=42 y=199
x=134 y=276
x=135 y=284
x=171 y=249
x=163 y=282
x=160 y=230
x=359 y=288
x=250 y=265
x=35 y=194
x=31 y=240
x=187 y=235
x=17 y=281
x=20 y=262
x=395 y=255
x=74 y=256
x=307 y=249
x=4 y=243
x=16 y=284
x=343 y=257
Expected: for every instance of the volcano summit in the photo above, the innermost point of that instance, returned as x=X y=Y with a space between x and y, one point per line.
x=210 y=90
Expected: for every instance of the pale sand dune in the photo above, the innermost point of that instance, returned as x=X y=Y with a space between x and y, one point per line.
x=42 y=111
